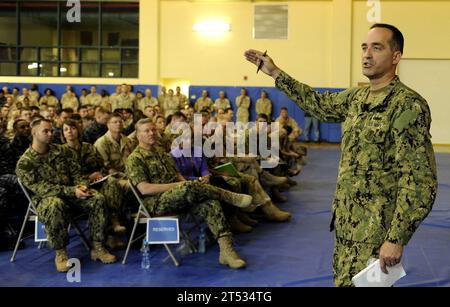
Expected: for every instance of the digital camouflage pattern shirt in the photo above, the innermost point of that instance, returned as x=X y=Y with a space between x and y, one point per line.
x=54 y=174
x=387 y=179
x=151 y=166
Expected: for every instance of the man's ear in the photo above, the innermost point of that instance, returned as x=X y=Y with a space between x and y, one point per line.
x=396 y=57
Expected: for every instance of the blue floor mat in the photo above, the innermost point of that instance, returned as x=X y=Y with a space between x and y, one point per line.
x=298 y=253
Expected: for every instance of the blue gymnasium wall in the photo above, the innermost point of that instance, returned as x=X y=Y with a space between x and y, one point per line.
x=329 y=132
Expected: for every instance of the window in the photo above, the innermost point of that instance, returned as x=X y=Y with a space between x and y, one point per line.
x=38 y=23
x=8 y=38
x=8 y=22
x=84 y=32
x=36 y=39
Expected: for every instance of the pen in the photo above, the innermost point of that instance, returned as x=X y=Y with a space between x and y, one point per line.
x=262 y=62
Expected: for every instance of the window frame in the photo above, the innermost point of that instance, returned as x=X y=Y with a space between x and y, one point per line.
x=79 y=61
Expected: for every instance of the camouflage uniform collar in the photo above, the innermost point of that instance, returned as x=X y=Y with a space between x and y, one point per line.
x=155 y=149
x=121 y=142
x=382 y=98
x=53 y=151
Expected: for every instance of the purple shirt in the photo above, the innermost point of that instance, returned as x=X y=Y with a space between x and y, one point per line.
x=190 y=168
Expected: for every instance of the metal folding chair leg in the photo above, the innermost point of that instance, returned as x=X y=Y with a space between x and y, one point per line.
x=131 y=240
x=19 y=238
x=175 y=261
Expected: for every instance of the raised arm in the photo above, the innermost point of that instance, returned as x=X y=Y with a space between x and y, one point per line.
x=327 y=107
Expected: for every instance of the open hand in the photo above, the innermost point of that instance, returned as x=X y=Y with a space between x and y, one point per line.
x=268 y=67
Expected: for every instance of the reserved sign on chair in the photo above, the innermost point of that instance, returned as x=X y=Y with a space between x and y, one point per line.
x=163 y=230
x=39 y=231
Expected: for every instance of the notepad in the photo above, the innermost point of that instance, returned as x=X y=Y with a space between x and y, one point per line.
x=372 y=276
x=228 y=169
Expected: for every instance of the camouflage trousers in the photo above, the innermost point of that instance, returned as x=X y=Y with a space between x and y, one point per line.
x=247 y=184
x=242 y=115
x=249 y=176
x=251 y=168
x=196 y=198
x=54 y=212
x=113 y=192
x=349 y=259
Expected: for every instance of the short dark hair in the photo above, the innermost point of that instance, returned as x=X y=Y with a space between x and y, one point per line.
x=127 y=110
x=65 y=110
x=283 y=108
x=38 y=121
x=263 y=116
x=76 y=116
x=178 y=114
x=115 y=115
x=16 y=123
x=397 y=42
x=82 y=107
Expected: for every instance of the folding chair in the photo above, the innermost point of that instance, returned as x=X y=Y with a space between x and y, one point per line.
x=141 y=218
x=31 y=215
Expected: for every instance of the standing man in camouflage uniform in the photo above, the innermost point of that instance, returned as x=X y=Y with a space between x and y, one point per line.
x=243 y=107
x=181 y=98
x=165 y=191
x=26 y=96
x=48 y=99
x=124 y=100
x=93 y=98
x=171 y=104
x=84 y=97
x=69 y=99
x=203 y=102
x=148 y=100
x=222 y=102
x=387 y=174
x=52 y=175
x=264 y=105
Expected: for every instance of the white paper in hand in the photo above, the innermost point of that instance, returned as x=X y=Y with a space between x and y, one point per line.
x=372 y=276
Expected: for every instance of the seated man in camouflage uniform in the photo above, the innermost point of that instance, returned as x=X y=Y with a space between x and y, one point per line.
x=165 y=191
x=114 y=148
x=52 y=175
x=98 y=127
